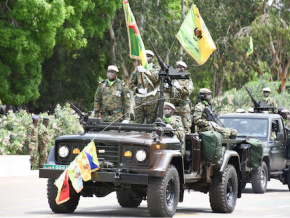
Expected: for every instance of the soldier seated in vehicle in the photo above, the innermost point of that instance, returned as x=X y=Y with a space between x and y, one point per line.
x=202 y=120
x=286 y=117
x=174 y=121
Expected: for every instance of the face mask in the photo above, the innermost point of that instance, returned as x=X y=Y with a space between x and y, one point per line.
x=208 y=98
x=180 y=69
x=288 y=117
x=266 y=94
x=167 y=113
x=149 y=59
x=111 y=76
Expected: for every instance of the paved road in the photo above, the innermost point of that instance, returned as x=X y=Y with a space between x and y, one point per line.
x=26 y=197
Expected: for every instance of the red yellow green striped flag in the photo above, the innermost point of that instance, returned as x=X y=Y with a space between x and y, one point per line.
x=137 y=49
x=194 y=36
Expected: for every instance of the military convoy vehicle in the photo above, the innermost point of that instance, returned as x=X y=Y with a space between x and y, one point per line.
x=270 y=129
x=147 y=162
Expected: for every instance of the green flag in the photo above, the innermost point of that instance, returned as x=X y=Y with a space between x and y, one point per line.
x=250 y=49
x=195 y=38
x=137 y=49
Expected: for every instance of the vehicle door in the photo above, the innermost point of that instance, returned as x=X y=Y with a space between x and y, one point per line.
x=278 y=146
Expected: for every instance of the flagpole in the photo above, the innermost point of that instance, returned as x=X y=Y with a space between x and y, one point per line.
x=141 y=74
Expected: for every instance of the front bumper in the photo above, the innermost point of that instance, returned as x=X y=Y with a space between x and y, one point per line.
x=114 y=177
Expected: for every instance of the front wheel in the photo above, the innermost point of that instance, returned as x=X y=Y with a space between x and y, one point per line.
x=66 y=207
x=288 y=179
x=259 y=178
x=223 y=190
x=163 y=194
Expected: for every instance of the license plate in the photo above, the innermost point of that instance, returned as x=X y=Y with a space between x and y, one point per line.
x=55 y=167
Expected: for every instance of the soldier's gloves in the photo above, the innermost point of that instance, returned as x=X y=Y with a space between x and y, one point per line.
x=168 y=125
x=142 y=91
x=141 y=69
x=176 y=84
x=125 y=121
x=213 y=124
x=166 y=86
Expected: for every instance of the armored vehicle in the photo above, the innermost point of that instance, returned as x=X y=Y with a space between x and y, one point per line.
x=270 y=129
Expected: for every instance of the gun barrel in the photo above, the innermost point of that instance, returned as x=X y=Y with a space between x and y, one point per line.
x=161 y=63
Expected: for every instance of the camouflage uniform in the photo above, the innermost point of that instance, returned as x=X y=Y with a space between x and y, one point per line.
x=176 y=123
x=180 y=99
x=113 y=101
x=287 y=123
x=43 y=140
x=200 y=119
x=271 y=102
x=145 y=105
x=32 y=140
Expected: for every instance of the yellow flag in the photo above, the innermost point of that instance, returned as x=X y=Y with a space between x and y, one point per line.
x=194 y=36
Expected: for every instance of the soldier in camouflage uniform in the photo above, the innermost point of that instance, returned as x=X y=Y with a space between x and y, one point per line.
x=146 y=97
x=179 y=96
x=173 y=120
x=32 y=140
x=112 y=98
x=201 y=120
x=43 y=140
x=285 y=114
x=269 y=101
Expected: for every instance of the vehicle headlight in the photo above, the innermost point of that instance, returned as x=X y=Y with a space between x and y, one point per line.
x=63 y=151
x=141 y=155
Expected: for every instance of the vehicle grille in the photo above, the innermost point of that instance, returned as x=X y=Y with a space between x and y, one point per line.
x=108 y=153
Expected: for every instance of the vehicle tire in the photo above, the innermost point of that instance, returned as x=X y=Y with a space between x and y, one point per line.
x=126 y=199
x=163 y=194
x=224 y=190
x=288 y=179
x=66 y=207
x=259 y=178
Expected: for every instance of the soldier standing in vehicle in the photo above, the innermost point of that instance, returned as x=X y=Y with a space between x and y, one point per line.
x=269 y=101
x=174 y=120
x=286 y=117
x=32 y=140
x=202 y=121
x=145 y=85
x=179 y=96
x=43 y=140
x=112 y=98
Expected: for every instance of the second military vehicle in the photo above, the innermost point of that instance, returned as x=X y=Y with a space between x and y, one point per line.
x=270 y=129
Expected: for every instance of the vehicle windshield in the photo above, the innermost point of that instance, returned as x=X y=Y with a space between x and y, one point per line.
x=254 y=127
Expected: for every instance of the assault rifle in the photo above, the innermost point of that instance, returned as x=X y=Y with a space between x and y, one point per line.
x=166 y=75
x=83 y=116
x=212 y=116
x=259 y=106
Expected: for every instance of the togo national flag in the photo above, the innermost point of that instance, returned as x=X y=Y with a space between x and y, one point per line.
x=90 y=151
x=75 y=176
x=137 y=49
x=251 y=48
x=194 y=36
x=63 y=188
